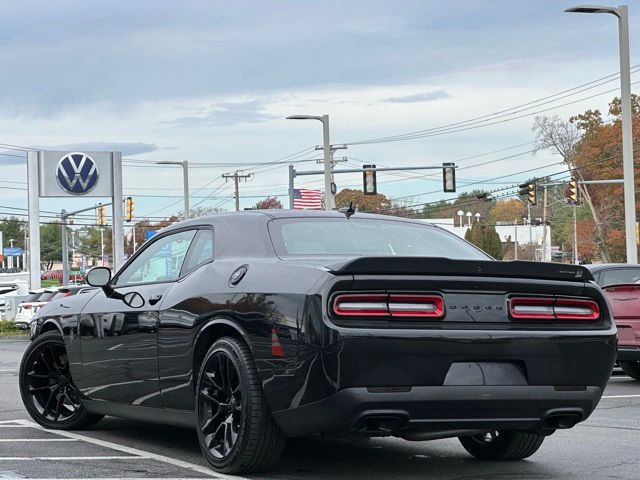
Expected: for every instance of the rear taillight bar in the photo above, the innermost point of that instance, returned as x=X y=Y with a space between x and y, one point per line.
x=551 y=308
x=388 y=305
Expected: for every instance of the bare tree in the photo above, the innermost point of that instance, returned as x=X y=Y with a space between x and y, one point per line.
x=561 y=137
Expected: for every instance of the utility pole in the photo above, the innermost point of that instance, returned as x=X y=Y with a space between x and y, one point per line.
x=102 y=245
x=65 y=248
x=515 y=243
x=332 y=163
x=237 y=176
x=544 y=227
x=575 y=236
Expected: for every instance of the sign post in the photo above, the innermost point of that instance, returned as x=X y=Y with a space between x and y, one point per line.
x=72 y=174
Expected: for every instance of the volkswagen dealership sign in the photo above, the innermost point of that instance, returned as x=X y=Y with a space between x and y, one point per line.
x=76 y=174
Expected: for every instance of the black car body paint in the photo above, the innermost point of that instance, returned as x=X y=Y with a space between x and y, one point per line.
x=474 y=369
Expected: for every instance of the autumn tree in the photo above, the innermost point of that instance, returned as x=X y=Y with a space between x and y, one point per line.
x=268 y=203
x=562 y=137
x=598 y=156
x=474 y=201
x=378 y=203
x=507 y=210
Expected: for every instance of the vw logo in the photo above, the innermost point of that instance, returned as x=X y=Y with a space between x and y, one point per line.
x=77 y=173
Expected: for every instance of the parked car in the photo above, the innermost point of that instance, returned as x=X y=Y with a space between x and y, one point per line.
x=625 y=304
x=30 y=305
x=606 y=274
x=256 y=326
x=74 y=276
x=10 y=289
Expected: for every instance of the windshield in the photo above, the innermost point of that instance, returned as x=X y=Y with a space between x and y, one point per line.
x=364 y=237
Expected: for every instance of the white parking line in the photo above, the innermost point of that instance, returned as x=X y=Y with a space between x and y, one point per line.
x=621 y=396
x=110 y=457
x=139 y=454
x=38 y=439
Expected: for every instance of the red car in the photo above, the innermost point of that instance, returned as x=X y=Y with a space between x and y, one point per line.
x=625 y=303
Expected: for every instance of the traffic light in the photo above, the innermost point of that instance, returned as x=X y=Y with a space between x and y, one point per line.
x=100 y=218
x=529 y=190
x=128 y=209
x=369 y=183
x=448 y=177
x=572 y=192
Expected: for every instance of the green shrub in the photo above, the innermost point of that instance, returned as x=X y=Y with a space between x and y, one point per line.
x=9 y=328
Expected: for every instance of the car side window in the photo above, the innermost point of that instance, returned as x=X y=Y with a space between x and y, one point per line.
x=160 y=261
x=617 y=276
x=201 y=250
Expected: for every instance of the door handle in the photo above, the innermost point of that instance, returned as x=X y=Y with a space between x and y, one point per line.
x=155 y=299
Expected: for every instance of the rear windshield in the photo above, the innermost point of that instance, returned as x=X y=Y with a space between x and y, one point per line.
x=32 y=297
x=46 y=296
x=364 y=237
x=61 y=294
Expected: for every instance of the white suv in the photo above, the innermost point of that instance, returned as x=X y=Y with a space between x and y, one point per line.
x=30 y=305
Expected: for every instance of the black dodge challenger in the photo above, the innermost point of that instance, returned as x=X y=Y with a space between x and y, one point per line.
x=257 y=326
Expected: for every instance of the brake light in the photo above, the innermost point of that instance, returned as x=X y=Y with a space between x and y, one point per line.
x=373 y=305
x=388 y=305
x=551 y=308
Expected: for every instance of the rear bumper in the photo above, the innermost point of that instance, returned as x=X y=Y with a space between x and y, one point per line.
x=628 y=354
x=440 y=409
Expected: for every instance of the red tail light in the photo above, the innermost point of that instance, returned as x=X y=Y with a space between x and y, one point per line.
x=388 y=305
x=551 y=308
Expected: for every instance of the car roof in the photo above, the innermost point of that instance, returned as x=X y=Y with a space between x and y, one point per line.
x=266 y=215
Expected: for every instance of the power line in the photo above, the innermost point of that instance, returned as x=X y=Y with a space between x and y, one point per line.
x=501 y=113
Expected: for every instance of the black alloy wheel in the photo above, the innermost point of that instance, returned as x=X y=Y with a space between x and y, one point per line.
x=47 y=388
x=220 y=404
x=502 y=444
x=236 y=431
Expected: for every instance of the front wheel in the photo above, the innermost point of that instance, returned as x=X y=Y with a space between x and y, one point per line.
x=47 y=389
x=236 y=431
x=502 y=445
x=631 y=368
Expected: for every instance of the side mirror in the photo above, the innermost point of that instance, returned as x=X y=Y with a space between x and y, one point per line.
x=133 y=300
x=98 y=276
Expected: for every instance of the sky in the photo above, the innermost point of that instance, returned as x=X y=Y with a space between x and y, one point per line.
x=211 y=82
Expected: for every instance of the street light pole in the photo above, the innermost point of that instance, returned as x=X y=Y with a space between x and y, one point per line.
x=326 y=145
x=627 y=143
x=185 y=182
x=10 y=260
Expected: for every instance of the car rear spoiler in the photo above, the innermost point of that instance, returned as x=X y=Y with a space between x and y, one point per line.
x=447 y=266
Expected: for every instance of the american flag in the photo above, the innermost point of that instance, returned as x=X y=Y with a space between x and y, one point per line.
x=305 y=199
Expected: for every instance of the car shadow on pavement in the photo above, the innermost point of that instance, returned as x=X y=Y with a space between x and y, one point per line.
x=318 y=457
x=391 y=458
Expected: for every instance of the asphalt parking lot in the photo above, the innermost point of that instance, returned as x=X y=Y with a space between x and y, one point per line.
x=605 y=446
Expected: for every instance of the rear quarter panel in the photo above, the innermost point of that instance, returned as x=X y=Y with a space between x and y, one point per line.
x=269 y=299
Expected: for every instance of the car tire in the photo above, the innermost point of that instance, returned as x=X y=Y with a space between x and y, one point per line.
x=631 y=369
x=236 y=431
x=502 y=445
x=47 y=388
